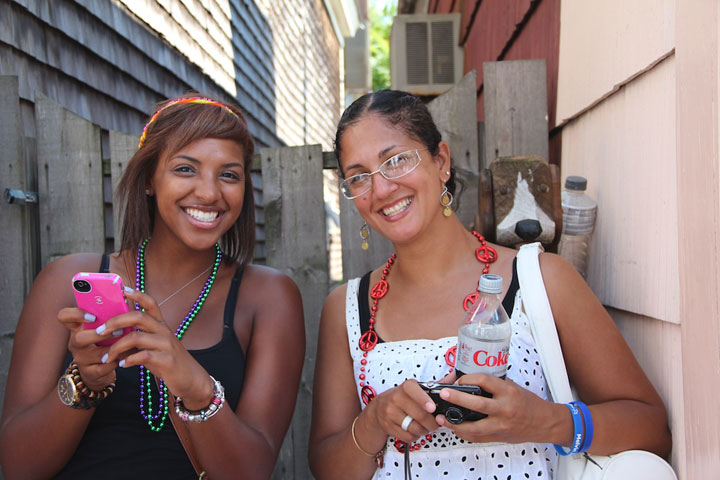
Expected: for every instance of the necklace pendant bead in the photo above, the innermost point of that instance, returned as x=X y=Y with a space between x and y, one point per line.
x=368 y=340
x=451 y=355
x=379 y=290
x=367 y=393
x=486 y=254
x=470 y=299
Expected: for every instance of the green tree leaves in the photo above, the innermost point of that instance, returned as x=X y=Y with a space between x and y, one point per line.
x=381 y=17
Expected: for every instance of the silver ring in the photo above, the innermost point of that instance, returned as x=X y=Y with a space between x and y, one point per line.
x=406 y=422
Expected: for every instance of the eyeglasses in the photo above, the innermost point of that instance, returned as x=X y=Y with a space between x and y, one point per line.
x=394 y=167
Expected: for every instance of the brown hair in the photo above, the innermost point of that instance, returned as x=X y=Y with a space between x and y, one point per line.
x=173 y=129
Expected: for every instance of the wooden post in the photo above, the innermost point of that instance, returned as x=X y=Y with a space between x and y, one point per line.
x=356 y=261
x=14 y=234
x=515 y=109
x=295 y=244
x=69 y=182
x=455 y=114
x=122 y=148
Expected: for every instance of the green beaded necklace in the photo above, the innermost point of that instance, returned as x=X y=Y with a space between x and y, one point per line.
x=145 y=375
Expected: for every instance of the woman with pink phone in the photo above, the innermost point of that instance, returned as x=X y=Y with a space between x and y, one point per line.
x=161 y=360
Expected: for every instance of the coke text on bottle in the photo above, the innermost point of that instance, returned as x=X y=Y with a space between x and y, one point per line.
x=484 y=337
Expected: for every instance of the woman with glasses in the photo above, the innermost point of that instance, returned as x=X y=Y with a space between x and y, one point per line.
x=397 y=325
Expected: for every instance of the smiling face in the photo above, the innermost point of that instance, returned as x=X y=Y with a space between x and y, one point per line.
x=402 y=208
x=199 y=191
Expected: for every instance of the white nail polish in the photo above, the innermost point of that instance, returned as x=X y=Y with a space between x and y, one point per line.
x=117 y=333
x=128 y=290
x=89 y=317
x=100 y=330
x=104 y=358
x=121 y=364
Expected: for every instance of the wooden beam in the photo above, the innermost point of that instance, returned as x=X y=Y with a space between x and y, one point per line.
x=295 y=244
x=69 y=182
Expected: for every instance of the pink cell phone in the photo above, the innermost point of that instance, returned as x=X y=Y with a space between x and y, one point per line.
x=102 y=295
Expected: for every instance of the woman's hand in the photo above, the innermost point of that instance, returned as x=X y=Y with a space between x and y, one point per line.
x=514 y=414
x=152 y=344
x=87 y=355
x=389 y=409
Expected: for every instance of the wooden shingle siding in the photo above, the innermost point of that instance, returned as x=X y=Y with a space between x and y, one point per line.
x=307 y=66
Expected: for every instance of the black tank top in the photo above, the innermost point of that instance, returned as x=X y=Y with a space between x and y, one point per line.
x=118 y=444
x=364 y=305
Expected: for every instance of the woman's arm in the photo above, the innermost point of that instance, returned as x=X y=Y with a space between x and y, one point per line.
x=248 y=440
x=626 y=410
x=333 y=452
x=32 y=412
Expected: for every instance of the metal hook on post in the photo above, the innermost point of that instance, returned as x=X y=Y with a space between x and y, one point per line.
x=20 y=197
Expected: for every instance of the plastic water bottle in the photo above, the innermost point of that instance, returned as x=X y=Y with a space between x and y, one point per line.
x=579 y=213
x=484 y=336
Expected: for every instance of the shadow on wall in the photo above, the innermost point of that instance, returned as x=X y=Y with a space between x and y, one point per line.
x=254 y=72
x=253 y=54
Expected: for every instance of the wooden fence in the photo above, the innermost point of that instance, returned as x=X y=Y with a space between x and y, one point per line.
x=74 y=180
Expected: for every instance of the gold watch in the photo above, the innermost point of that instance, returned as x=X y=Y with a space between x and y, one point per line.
x=74 y=393
x=68 y=391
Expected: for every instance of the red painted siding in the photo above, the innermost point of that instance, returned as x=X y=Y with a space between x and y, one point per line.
x=510 y=30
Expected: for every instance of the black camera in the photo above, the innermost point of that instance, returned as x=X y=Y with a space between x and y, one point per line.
x=455 y=414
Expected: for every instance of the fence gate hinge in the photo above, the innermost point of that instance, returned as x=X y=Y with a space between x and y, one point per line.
x=20 y=197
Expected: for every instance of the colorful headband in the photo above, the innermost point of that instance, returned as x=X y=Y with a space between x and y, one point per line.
x=202 y=100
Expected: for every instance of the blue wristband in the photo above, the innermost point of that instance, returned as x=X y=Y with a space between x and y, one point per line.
x=589 y=429
x=577 y=435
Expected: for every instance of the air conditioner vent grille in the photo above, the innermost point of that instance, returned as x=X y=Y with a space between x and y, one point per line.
x=443 y=66
x=416 y=43
x=425 y=58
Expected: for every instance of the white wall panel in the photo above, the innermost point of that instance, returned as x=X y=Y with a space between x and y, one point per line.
x=625 y=147
x=658 y=348
x=604 y=43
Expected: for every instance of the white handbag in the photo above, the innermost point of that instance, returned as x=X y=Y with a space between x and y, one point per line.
x=627 y=465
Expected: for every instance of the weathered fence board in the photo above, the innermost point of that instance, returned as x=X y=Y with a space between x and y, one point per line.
x=455 y=114
x=14 y=233
x=295 y=244
x=122 y=148
x=515 y=109
x=69 y=182
x=356 y=262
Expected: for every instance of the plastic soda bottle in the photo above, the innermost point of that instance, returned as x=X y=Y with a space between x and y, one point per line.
x=484 y=336
x=579 y=212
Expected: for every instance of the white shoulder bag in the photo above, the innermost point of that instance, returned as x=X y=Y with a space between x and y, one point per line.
x=630 y=464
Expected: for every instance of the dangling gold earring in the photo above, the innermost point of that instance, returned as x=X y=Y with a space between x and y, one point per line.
x=446 y=200
x=364 y=234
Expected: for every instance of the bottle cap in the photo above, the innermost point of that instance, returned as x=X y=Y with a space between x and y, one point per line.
x=576 y=183
x=490 y=283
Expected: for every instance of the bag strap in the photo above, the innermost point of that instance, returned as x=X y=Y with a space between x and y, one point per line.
x=184 y=436
x=542 y=323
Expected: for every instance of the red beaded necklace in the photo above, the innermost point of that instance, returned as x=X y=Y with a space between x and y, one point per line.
x=369 y=339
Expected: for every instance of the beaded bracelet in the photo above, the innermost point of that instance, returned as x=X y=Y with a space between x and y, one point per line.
x=198 y=416
x=589 y=429
x=577 y=435
x=74 y=393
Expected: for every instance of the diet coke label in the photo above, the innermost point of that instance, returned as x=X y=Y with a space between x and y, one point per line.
x=482 y=356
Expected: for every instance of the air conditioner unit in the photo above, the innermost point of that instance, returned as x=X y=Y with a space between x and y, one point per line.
x=425 y=58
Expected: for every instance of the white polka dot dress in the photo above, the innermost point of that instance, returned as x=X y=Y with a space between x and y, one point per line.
x=446 y=456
